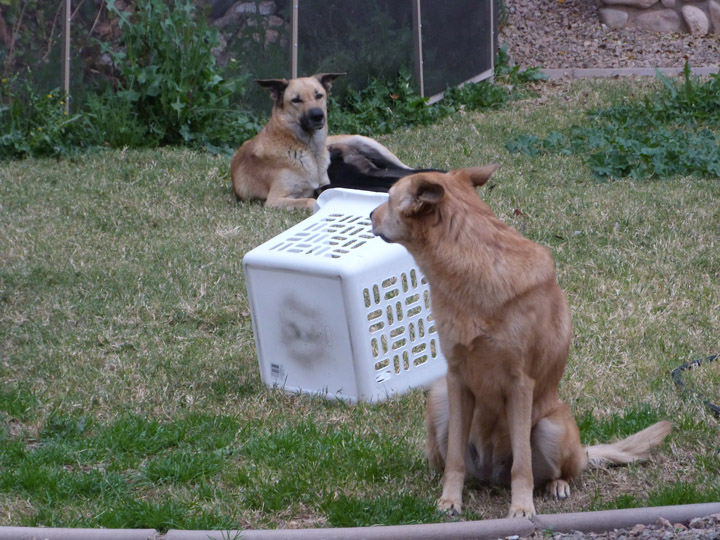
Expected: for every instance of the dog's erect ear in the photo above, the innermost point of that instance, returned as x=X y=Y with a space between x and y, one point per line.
x=326 y=79
x=427 y=195
x=478 y=175
x=276 y=86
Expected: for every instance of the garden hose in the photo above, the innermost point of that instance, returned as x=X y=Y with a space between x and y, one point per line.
x=677 y=378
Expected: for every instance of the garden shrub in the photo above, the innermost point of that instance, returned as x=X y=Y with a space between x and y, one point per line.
x=33 y=124
x=384 y=107
x=167 y=73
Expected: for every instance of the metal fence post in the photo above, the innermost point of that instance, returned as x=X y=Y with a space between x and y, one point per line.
x=294 y=45
x=66 y=53
x=417 y=45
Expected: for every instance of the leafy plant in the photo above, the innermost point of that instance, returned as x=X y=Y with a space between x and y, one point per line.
x=167 y=73
x=35 y=124
x=384 y=107
x=672 y=132
x=507 y=71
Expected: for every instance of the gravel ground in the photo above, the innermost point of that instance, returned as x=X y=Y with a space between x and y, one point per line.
x=706 y=528
x=568 y=34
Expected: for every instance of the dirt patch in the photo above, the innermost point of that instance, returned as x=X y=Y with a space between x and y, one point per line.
x=568 y=34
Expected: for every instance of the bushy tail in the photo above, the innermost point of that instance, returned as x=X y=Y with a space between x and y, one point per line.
x=636 y=447
x=370 y=148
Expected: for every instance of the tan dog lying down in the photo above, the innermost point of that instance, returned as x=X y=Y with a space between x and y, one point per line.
x=504 y=328
x=287 y=162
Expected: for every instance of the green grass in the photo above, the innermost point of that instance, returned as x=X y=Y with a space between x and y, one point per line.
x=130 y=392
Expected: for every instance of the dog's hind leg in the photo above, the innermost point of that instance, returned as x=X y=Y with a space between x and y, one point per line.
x=557 y=454
x=288 y=202
x=280 y=196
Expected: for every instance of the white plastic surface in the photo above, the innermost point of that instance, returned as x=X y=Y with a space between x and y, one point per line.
x=339 y=312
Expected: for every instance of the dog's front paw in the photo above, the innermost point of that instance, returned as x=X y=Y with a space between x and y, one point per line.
x=451 y=507
x=519 y=511
x=559 y=488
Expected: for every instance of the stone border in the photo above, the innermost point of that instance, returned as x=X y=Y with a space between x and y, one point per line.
x=588 y=73
x=489 y=529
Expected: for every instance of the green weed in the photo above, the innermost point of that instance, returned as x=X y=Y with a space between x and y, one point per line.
x=34 y=124
x=670 y=133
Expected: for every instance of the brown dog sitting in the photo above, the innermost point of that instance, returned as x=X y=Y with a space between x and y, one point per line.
x=504 y=328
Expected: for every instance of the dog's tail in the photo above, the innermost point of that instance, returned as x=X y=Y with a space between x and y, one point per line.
x=370 y=148
x=636 y=447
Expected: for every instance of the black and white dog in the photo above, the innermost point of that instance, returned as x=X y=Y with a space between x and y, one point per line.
x=358 y=162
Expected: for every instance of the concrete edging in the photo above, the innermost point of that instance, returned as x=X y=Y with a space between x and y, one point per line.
x=588 y=73
x=490 y=529
x=46 y=533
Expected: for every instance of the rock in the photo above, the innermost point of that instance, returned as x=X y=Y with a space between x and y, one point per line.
x=669 y=3
x=639 y=4
x=241 y=10
x=271 y=36
x=274 y=21
x=714 y=10
x=664 y=20
x=613 y=18
x=696 y=20
x=267 y=7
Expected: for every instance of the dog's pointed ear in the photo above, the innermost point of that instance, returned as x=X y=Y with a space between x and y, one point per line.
x=326 y=79
x=276 y=86
x=478 y=176
x=426 y=196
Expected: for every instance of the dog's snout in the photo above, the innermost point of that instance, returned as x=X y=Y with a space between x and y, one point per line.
x=313 y=120
x=371 y=213
x=316 y=114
